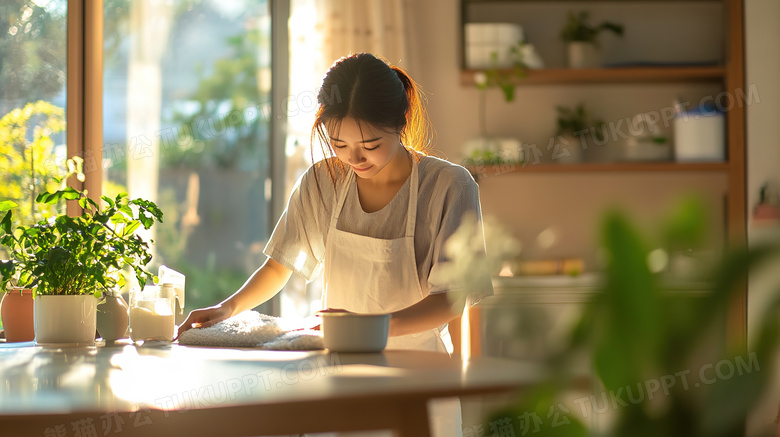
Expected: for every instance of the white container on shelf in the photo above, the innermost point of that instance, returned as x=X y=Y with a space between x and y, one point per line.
x=699 y=136
x=582 y=54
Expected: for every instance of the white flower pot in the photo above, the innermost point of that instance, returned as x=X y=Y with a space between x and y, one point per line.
x=65 y=320
x=583 y=55
x=567 y=149
x=509 y=149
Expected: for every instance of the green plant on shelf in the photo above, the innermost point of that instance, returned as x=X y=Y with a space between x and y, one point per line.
x=489 y=157
x=505 y=81
x=577 y=28
x=577 y=121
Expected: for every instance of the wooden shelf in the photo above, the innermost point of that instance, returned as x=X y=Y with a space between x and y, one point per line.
x=609 y=75
x=616 y=167
x=580 y=1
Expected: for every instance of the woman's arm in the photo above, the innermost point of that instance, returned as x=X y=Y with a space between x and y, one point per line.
x=429 y=313
x=264 y=283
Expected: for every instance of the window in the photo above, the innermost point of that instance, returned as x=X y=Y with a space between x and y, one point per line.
x=186 y=124
x=182 y=114
x=32 y=101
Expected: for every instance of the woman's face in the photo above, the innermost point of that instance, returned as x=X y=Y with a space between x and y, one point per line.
x=363 y=147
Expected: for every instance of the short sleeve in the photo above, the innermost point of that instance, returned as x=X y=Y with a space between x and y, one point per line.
x=459 y=257
x=298 y=240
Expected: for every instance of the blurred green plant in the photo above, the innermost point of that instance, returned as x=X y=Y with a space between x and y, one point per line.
x=489 y=157
x=476 y=251
x=636 y=330
x=220 y=99
x=29 y=167
x=578 y=29
x=576 y=121
x=205 y=283
x=32 y=51
x=503 y=79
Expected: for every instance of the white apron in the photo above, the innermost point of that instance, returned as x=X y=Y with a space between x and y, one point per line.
x=371 y=275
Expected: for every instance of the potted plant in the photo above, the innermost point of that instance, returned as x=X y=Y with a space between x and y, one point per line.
x=575 y=126
x=69 y=262
x=487 y=149
x=16 y=310
x=27 y=170
x=581 y=40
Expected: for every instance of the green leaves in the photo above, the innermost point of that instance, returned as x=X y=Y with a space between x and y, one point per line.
x=577 y=121
x=627 y=313
x=79 y=255
x=108 y=201
x=67 y=193
x=6 y=268
x=131 y=227
x=5 y=224
x=653 y=336
x=125 y=209
x=149 y=212
x=6 y=205
x=686 y=225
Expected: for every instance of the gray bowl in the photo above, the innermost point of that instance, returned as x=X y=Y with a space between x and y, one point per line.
x=347 y=332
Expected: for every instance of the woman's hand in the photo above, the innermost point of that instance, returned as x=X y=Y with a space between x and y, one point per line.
x=264 y=283
x=205 y=317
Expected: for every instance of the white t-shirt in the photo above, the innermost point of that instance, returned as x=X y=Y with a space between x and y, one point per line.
x=447 y=193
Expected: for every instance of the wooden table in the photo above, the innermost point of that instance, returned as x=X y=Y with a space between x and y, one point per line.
x=173 y=390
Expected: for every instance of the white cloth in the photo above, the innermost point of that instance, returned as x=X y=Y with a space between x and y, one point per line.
x=252 y=329
x=446 y=194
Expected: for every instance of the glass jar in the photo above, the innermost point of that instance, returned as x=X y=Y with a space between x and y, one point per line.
x=151 y=313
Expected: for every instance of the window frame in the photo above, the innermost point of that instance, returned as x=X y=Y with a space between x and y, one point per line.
x=84 y=90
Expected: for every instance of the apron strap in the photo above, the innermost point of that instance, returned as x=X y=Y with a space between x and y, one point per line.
x=414 y=186
x=342 y=195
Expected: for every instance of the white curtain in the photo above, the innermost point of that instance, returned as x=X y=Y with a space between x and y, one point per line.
x=376 y=26
x=321 y=32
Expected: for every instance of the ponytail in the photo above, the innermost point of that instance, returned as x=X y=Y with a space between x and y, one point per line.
x=416 y=133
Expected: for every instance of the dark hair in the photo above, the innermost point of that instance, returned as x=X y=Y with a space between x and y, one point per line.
x=368 y=89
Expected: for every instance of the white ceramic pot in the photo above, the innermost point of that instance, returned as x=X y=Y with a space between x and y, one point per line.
x=347 y=332
x=113 y=318
x=583 y=55
x=65 y=320
x=568 y=149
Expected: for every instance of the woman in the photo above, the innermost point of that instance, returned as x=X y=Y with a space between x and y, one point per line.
x=375 y=217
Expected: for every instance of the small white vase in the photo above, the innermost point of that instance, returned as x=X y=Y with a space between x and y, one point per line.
x=568 y=149
x=65 y=320
x=583 y=55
